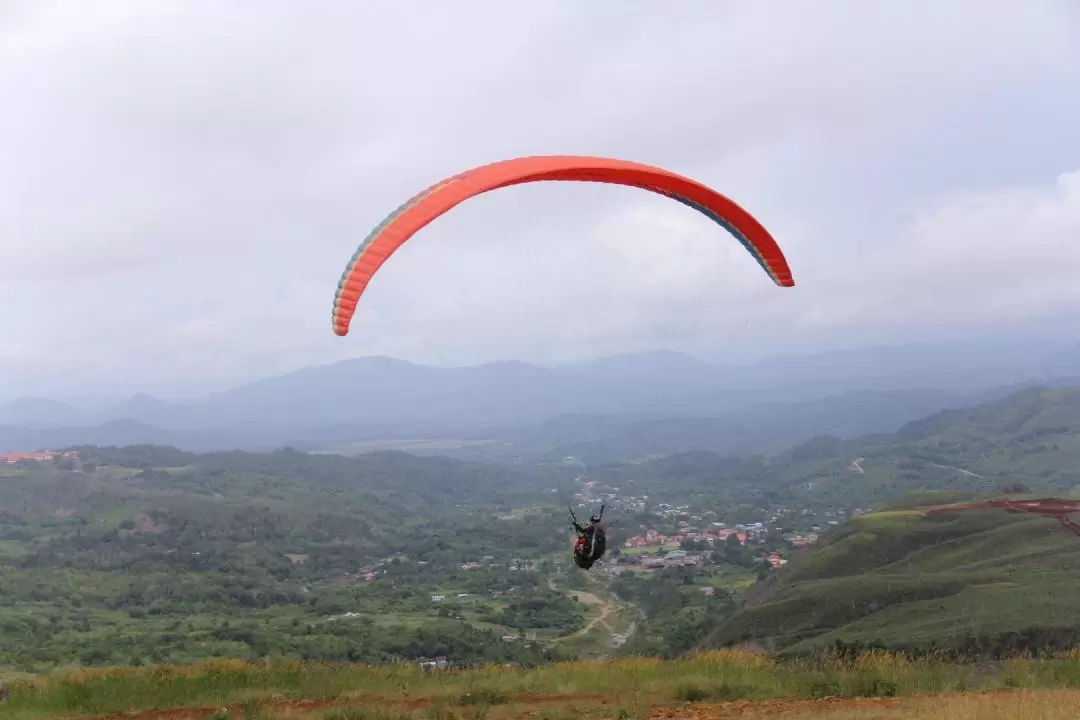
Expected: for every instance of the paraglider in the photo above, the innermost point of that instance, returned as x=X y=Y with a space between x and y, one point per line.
x=436 y=200
x=423 y=208
x=591 y=540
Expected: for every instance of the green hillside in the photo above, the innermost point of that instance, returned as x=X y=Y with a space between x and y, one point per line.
x=1030 y=438
x=970 y=581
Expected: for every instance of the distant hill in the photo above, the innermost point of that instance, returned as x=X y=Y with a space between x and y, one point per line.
x=761 y=428
x=615 y=408
x=1030 y=437
x=34 y=412
x=971 y=581
x=594 y=439
x=385 y=486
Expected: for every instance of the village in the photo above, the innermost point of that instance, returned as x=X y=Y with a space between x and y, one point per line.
x=710 y=549
x=11 y=458
x=682 y=536
x=671 y=536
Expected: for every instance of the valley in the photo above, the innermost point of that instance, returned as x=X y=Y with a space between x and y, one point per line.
x=148 y=555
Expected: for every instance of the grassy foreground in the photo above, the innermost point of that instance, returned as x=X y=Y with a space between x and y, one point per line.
x=705 y=685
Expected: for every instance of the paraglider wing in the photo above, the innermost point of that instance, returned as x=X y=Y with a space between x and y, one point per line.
x=421 y=209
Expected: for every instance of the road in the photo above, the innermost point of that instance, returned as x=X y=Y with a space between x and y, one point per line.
x=959 y=470
x=858 y=468
x=607 y=609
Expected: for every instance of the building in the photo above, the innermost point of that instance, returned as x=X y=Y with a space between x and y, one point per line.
x=39 y=456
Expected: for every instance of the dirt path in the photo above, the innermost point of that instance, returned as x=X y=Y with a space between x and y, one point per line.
x=962 y=471
x=606 y=608
x=993 y=705
x=639 y=616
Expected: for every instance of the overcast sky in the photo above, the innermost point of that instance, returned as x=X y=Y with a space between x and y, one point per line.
x=182 y=183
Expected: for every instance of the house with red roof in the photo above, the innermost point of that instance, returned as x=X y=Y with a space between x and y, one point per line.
x=39 y=456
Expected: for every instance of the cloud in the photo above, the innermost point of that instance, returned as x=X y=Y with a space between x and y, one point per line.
x=182 y=183
x=978 y=258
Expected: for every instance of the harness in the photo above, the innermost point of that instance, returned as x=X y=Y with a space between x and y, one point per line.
x=585 y=545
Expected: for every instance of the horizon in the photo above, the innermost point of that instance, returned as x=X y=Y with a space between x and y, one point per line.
x=994 y=340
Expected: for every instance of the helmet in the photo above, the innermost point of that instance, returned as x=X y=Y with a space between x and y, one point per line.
x=594 y=519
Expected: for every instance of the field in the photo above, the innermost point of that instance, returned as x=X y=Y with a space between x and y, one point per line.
x=716 y=684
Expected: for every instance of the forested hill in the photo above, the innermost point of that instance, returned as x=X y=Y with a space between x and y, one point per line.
x=394 y=481
x=1029 y=439
x=148 y=554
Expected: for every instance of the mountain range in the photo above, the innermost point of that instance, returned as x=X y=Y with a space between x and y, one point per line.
x=606 y=409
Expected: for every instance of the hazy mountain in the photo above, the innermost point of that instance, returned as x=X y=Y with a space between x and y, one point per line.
x=145 y=408
x=623 y=405
x=765 y=427
x=34 y=412
x=120 y=432
x=595 y=439
x=959 y=368
x=405 y=396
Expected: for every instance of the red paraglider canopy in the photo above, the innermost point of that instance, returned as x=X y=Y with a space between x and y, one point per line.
x=421 y=209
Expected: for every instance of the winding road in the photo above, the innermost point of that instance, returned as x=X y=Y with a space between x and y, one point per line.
x=607 y=609
x=959 y=470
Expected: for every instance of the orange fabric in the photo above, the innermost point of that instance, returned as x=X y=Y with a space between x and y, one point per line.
x=443 y=196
